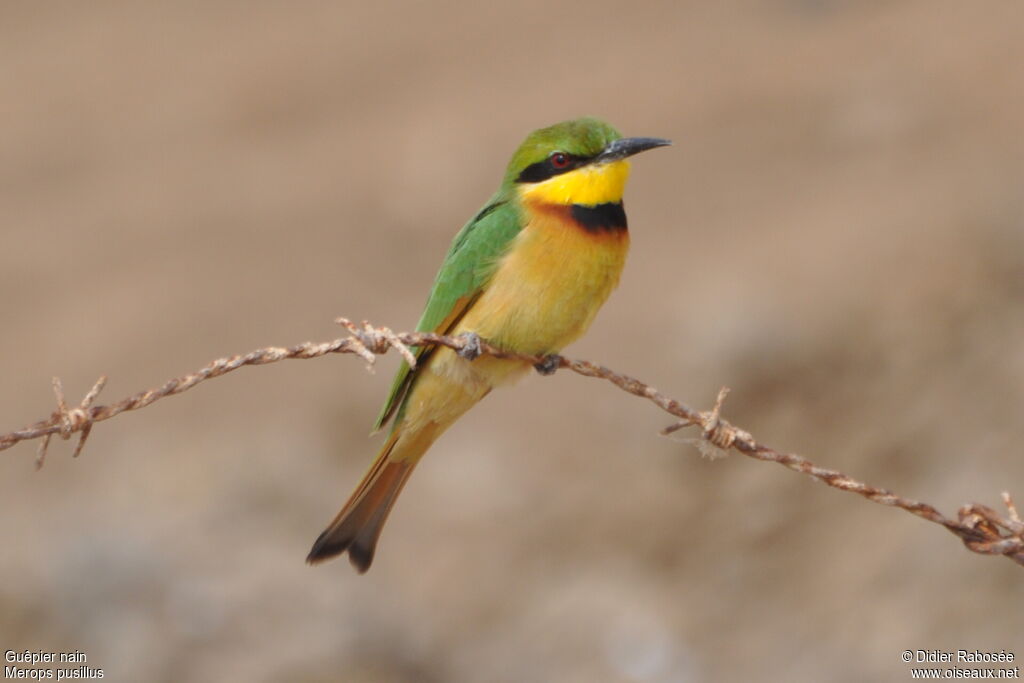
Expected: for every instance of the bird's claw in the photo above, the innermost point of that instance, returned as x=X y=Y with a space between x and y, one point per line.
x=548 y=365
x=471 y=346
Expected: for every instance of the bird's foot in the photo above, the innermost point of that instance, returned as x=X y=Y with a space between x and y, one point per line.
x=471 y=346
x=549 y=364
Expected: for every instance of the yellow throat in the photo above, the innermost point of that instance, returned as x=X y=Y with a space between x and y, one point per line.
x=588 y=186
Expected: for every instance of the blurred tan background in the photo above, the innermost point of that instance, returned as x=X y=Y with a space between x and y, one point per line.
x=837 y=235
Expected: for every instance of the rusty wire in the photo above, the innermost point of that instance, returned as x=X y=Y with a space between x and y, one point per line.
x=981 y=528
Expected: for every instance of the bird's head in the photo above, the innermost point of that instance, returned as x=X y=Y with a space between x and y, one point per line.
x=582 y=162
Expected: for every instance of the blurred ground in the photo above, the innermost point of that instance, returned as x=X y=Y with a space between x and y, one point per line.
x=837 y=234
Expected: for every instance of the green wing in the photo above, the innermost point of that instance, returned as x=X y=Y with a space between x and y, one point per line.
x=464 y=274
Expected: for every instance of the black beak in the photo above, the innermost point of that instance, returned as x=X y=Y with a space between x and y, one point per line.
x=627 y=147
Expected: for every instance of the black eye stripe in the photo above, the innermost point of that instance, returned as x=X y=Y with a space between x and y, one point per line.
x=542 y=170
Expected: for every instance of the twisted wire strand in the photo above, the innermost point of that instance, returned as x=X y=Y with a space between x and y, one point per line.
x=980 y=528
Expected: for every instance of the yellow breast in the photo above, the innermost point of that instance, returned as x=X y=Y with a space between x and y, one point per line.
x=549 y=285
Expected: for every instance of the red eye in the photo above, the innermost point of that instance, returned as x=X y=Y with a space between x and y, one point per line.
x=560 y=160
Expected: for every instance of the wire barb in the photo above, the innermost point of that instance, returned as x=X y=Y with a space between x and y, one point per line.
x=1008 y=501
x=71 y=420
x=980 y=528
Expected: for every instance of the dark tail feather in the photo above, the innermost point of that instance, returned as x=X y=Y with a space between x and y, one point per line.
x=357 y=527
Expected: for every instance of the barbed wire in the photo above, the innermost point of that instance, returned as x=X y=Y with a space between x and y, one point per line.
x=981 y=528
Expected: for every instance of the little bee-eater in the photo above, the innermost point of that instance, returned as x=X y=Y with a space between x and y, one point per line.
x=527 y=273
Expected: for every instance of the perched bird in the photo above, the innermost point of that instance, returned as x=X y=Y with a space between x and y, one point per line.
x=527 y=273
